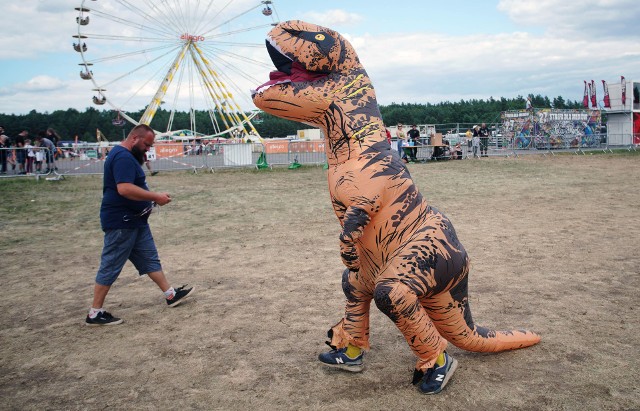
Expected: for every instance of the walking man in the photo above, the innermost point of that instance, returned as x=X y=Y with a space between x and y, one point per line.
x=126 y=205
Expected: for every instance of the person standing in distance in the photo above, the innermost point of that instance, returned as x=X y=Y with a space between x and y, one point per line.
x=475 y=141
x=402 y=142
x=4 y=151
x=483 y=133
x=413 y=136
x=126 y=205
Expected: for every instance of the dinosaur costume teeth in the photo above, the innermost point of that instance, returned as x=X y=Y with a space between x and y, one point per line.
x=399 y=251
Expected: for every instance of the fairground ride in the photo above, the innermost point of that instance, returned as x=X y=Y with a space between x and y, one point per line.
x=172 y=59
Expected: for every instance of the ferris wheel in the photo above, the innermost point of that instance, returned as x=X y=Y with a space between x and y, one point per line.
x=176 y=64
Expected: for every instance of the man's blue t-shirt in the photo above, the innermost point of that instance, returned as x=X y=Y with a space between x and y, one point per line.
x=117 y=211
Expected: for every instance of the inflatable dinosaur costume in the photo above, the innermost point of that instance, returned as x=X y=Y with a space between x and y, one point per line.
x=399 y=250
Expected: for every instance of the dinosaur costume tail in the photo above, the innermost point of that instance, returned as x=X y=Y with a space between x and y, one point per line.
x=452 y=318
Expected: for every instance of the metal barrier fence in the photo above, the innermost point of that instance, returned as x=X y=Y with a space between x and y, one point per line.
x=506 y=146
x=558 y=142
x=89 y=158
x=26 y=161
x=306 y=152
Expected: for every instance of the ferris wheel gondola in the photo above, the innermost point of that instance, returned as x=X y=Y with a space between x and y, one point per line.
x=267 y=11
x=86 y=74
x=176 y=65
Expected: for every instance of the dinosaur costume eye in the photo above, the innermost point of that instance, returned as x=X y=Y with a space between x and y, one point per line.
x=324 y=41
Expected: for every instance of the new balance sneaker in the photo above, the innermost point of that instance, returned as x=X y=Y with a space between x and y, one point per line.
x=180 y=295
x=339 y=359
x=103 y=318
x=434 y=379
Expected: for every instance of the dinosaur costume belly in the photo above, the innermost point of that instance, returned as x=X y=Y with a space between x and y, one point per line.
x=403 y=237
x=399 y=251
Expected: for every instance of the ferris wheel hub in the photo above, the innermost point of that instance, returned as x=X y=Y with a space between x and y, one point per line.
x=189 y=37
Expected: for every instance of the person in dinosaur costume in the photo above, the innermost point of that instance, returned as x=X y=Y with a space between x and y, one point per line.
x=399 y=250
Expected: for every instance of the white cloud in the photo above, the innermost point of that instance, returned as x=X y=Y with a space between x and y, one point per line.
x=481 y=66
x=42 y=83
x=54 y=6
x=334 y=18
x=43 y=93
x=608 y=18
x=36 y=27
x=37 y=84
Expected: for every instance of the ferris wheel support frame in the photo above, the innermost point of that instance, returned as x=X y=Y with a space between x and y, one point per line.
x=162 y=89
x=228 y=95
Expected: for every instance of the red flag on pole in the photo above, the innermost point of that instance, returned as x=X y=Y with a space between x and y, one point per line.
x=594 y=99
x=623 y=87
x=607 y=100
x=585 y=99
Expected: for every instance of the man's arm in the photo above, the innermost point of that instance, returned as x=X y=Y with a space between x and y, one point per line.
x=135 y=193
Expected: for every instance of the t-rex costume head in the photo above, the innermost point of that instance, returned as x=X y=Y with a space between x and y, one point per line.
x=321 y=82
x=399 y=251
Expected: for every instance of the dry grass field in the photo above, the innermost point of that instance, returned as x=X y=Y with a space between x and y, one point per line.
x=554 y=243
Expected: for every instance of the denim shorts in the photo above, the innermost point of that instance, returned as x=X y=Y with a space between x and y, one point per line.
x=120 y=245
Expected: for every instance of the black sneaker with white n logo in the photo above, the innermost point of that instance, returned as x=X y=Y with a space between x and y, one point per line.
x=339 y=359
x=434 y=379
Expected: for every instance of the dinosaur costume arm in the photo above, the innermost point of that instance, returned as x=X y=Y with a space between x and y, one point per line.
x=355 y=220
x=355 y=204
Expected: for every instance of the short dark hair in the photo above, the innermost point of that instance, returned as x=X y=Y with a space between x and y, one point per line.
x=141 y=129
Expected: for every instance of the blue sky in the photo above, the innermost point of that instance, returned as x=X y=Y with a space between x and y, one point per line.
x=414 y=51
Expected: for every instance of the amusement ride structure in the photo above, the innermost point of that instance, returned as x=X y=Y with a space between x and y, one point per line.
x=198 y=58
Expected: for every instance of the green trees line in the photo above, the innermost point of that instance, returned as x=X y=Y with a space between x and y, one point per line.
x=71 y=122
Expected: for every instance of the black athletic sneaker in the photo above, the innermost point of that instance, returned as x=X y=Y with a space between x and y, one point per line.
x=339 y=359
x=434 y=379
x=103 y=318
x=181 y=294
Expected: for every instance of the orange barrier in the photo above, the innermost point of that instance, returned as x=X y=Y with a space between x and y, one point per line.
x=276 y=147
x=306 y=147
x=285 y=146
x=164 y=150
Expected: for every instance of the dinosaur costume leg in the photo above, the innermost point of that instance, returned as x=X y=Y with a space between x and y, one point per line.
x=395 y=299
x=424 y=291
x=354 y=327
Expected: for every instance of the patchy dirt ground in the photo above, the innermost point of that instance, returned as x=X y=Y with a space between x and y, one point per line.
x=554 y=244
